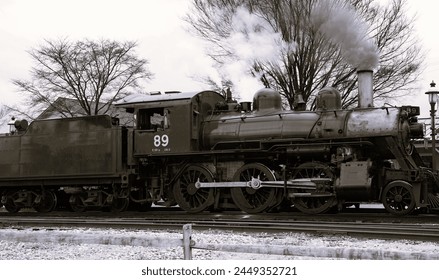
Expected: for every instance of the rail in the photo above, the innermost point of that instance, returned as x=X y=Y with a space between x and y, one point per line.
x=188 y=245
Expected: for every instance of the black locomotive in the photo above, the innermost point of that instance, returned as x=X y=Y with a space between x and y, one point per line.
x=202 y=151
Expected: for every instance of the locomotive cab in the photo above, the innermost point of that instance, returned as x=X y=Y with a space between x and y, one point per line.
x=168 y=123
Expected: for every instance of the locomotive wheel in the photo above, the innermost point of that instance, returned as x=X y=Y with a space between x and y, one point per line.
x=323 y=201
x=46 y=203
x=254 y=200
x=76 y=203
x=398 y=198
x=120 y=204
x=190 y=198
x=10 y=205
x=140 y=206
x=12 y=208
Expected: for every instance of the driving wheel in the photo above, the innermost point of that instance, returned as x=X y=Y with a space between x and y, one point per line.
x=322 y=199
x=253 y=200
x=190 y=198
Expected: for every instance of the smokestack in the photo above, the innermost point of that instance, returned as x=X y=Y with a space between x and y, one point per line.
x=365 y=88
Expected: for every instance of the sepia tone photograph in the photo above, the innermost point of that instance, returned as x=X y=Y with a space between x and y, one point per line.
x=261 y=136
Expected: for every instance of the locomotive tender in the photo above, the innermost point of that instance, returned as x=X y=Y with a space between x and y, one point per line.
x=202 y=151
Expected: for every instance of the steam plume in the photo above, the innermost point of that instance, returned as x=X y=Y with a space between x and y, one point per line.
x=251 y=39
x=340 y=24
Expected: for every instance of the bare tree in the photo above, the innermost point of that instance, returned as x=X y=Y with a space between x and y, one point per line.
x=316 y=59
x=93 y=73
x=4 y=111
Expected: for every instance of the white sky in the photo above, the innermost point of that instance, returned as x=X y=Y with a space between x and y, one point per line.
x=156 y=25
x=175 y=56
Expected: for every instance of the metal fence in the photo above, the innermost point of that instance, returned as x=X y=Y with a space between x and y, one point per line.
x=427 y=127
x=189 y=244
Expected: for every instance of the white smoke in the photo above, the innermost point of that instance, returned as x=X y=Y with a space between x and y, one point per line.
x=340 y=24
x=251 y=39
x=254 y=39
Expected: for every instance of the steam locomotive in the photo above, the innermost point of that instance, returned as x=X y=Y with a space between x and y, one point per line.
x=205 y=151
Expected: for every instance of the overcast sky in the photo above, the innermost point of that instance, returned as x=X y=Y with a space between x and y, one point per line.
x=175 y=56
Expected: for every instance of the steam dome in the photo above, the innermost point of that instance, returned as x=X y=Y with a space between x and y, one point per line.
x=267 y=98
x=328 y=98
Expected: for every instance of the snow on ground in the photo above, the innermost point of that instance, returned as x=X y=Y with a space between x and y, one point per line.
x=36 y=250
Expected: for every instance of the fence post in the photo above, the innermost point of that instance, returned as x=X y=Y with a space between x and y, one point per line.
x=187 y=237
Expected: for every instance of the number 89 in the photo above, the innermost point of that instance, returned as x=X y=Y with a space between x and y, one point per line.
x=161 y=140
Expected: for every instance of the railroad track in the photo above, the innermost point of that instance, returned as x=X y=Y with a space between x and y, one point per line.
x=414 y=231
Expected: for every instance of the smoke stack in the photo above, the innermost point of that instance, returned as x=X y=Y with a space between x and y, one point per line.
x=365 y=88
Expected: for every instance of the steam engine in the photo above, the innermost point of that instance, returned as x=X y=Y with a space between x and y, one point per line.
x=204 y=151
x=329 y=156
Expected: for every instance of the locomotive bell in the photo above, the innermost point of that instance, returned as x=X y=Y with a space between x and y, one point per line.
x=267 y=98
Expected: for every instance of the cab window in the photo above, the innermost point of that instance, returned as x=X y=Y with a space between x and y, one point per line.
x=153 y=119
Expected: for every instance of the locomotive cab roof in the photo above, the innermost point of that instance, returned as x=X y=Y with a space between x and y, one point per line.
x=159 y=99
